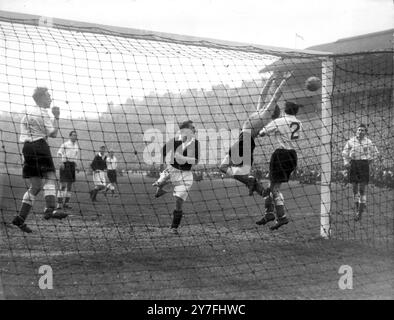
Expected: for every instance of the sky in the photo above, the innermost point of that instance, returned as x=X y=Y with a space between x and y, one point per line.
x=282 y=23
x=90 y=77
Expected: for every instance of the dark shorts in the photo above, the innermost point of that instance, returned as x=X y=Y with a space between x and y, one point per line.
x=359 y=171
x=67 y=174
x=283 y=163
x=111 y=174
x=37 y=159
x=240 y=157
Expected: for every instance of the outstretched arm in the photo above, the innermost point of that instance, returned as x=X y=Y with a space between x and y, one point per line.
x=278 y=91
x=264 y=92
x=261 y=118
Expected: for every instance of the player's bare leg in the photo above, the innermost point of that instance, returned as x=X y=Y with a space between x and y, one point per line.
x=163 y=180
x=65 y=195
x=110 y=187
x=269 y=214
x=27 y=203
x=362 y=204
x=61 y=195
x=95 y=191
x=117 y=190
x=49 y=188
x=227 y=167
x=356 y=197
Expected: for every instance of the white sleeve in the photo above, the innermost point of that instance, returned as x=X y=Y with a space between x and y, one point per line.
x=24 y=128
x=271 y=127
x=61 y=151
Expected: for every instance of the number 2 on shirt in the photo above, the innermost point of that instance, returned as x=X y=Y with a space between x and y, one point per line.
x=294 y=126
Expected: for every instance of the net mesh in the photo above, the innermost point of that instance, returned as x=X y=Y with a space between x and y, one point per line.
x=122 y=90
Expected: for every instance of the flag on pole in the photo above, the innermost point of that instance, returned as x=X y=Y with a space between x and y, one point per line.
x=299 y=36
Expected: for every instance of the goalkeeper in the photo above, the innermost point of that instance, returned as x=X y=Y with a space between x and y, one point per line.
x=238 y=162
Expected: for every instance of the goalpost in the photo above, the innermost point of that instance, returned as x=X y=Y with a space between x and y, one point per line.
x=128 y=90
x=326 y=133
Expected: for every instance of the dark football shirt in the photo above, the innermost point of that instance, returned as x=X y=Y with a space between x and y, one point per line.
x=191 y=151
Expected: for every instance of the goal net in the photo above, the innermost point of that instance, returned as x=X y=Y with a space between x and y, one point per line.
x=128 y=90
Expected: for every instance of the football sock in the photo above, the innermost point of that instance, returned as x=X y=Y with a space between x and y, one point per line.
x=24 y=211
x=50 y=201
x=242 y=178
x=176 y=219
x=269 y=204
x=94 y=194
x=280 y=211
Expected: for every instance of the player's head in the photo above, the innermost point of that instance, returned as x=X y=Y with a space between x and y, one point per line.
x=361 y=130
x=187 y=128
x=276 y=113
x=73 y=135
x=102 y=149
x=42 y=97
x=291 y=108
x=111 y=152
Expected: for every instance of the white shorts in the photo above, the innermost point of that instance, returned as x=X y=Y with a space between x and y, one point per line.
x=236 y=171
x=182 y=181
x=99 y=178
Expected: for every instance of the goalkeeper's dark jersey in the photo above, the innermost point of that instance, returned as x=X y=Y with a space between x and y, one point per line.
x=191 y=151
x=240 y=157
x=99 y=163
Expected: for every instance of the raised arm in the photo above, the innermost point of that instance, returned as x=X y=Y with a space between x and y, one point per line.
x=264 y=92
x=278 y=91
x=52 y=128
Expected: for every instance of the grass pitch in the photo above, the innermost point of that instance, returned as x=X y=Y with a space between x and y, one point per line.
x=120 y=247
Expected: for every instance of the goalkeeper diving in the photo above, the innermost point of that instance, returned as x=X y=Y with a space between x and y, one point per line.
x=239 y=160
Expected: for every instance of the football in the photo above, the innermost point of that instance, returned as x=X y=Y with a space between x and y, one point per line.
x=313 y=83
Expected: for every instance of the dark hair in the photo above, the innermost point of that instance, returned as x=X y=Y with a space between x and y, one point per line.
x=102 y=147
x=71 y=133
x=291 y=108
x=362 y=125
x=185 y=124
x=276 y=113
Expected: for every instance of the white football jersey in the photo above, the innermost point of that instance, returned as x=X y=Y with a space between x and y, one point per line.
x=69 y=151
x=287 y=131
x=35 y=124
x=356 y=149
x=112 y=163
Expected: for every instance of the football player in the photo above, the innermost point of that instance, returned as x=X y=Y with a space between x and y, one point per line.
x=239 y=160
x=287 y=130
x=357 y=155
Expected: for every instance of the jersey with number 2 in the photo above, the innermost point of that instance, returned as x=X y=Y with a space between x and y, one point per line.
x=287 y=131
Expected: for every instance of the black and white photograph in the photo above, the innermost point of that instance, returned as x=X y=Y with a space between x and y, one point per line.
x=196 y=155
